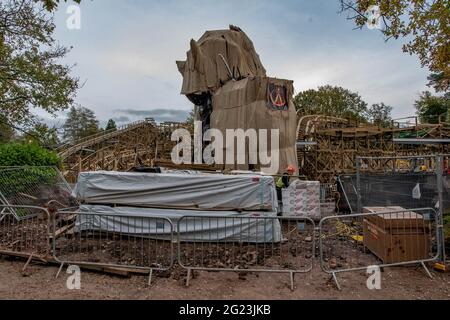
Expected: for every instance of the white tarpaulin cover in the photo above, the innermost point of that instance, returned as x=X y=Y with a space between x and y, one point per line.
x=181 y=191
x=229 y=226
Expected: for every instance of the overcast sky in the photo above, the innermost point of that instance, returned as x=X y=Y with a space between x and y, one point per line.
x=125 y=52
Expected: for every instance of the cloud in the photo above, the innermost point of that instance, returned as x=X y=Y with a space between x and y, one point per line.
x=121 y=119
x=160 y=115
x=126 y=52
x=393 y=81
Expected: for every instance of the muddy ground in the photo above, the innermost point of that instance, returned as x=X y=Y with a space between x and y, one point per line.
x=38 y=282
x=294 y=252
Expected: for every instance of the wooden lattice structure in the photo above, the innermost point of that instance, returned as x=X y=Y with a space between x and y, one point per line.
x=328 y=146
x=142 y=143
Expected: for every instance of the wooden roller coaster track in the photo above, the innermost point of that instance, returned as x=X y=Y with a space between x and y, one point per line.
x=141 y=143
x=327 y=146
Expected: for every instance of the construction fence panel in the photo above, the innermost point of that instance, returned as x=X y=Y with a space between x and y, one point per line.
x=34 y=186
x=328 y=199
x=246 y=244
x=445 y=195
x=348 y=195
x=111 y=240
x=408 y=182
x=407 y=190
x=392 y=238
x=28 y=236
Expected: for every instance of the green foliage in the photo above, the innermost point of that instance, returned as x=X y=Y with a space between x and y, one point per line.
x=80 y=123
x=111 y=125
x=424 y=24
x=38 y=168
x=51 y=5
x=380 y=114
x=27 y=154
x=332 y=101
x=439 y=81
x=41 y=134
x=6 y=132
x=30 y=76
x=191 y=117
x=431 y=108
x=25 y=180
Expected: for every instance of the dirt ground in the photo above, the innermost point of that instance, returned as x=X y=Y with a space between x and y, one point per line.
x=38 y=282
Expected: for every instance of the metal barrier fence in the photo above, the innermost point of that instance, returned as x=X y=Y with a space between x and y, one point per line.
x=224 y=243
x=328 y=192
x=397 y=238
x=246 y=244
x=444 y=196
x=348 y=199
x=120 y=241
x=34 y=186
x=405 y=181
x=409 y=182
x=406 y=190
x=28 y=237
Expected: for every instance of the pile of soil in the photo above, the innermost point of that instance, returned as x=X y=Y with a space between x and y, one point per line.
x=28 y=235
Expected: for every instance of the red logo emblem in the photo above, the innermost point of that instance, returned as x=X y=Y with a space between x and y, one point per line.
x=277 y=97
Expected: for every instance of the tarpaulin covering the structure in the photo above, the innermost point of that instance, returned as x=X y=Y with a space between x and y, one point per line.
x=258 y=103
x=187 y=191
x=224 y=77
x=229 y=226
x=205 y=69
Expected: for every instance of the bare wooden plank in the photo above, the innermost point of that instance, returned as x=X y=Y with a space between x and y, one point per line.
x=62 y=230
x=24 y=255
x=70 y=217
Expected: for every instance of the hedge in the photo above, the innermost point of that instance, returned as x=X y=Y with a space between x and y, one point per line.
x=27 y=154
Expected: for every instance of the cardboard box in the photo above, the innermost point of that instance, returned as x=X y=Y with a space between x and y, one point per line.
x=396 y=237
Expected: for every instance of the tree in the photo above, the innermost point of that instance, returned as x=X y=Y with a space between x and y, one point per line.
x=43 y=135
x=431 y=108
x=6 y=131
x=80 y=123
x=111 y=125
x=27 y=154
x=191 y=117
x=380 y=114
x=51 y=5
x=439 y=81
x=332 y=101
x=423 y=23
x=30 y=76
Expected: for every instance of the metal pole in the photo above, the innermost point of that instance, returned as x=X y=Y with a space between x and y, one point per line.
x=439 y=179
x=358 y=185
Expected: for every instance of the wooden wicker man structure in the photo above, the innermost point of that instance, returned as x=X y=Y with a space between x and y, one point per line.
x=224 y=77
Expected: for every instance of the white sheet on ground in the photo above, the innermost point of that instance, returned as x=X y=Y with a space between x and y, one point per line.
x=181 y=191
x=202 y=226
